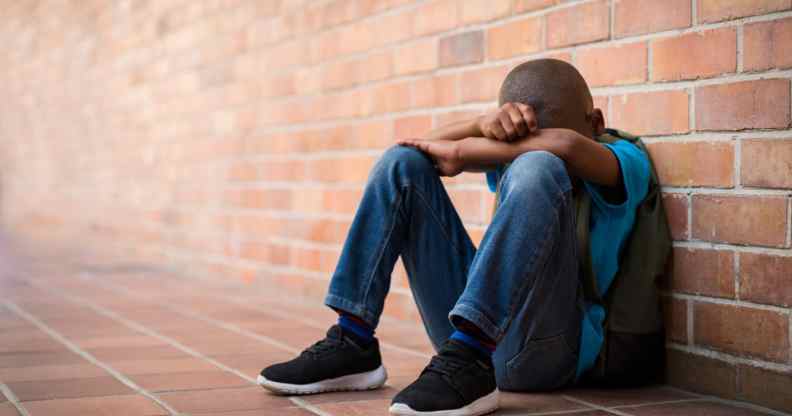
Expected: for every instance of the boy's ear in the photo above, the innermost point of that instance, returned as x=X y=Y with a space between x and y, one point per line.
x=597 y=120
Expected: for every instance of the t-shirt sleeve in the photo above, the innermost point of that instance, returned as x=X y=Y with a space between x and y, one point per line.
x=635 y=171
x=493 y=176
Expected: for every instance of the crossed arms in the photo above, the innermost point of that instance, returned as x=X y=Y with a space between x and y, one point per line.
x=501 y=135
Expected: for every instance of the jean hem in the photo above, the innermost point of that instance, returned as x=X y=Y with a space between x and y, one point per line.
x=474 y=316
x=353 y=308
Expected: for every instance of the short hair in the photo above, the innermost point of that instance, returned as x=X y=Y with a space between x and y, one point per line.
x=557 y=92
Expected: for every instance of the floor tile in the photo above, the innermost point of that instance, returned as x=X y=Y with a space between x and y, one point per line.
x=514 y=403
x=162 y=366
x=62 y=389
x=96 y=406
x=224 y=400
x=8 y=409
x=136 y=353
x=620 y=397
x=189 y=381
x=29 y=359
x=287 y=411
x=692 y=408
x=51 y=372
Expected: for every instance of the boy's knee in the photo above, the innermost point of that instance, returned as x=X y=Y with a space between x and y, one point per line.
x=405 y=160
x=536 y=169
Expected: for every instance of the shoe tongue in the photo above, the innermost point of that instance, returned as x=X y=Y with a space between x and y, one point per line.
x=335 y=332
x=461 y=350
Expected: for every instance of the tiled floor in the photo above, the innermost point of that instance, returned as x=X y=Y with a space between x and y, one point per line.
x=105 y=341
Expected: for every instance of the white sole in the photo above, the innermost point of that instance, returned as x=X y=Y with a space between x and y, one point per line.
x=370 y=380
x=482 y=406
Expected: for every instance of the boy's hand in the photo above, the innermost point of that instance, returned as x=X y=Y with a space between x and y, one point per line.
x=510 y=122
x=445 y=154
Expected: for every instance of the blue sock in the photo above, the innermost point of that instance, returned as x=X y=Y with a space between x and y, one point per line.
x=357 y=326
x=483 y=346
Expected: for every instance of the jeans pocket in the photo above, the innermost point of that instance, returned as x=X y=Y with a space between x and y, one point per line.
x=542 y=364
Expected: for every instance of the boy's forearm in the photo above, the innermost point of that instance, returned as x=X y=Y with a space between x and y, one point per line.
x=477 y=151
x=584 y=157
x=455 y=131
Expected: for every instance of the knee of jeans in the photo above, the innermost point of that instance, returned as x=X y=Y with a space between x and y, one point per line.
x=404 y=160
x=536 y=169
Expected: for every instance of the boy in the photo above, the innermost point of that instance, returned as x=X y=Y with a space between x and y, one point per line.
x=509 y=315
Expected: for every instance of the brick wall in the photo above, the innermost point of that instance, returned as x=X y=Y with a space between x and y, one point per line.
x=231 y=138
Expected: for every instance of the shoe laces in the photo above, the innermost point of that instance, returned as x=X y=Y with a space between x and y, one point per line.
x=323 y=346
x=446 y=365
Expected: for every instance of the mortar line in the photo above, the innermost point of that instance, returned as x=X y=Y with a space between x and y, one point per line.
x=729 y=358
x=13 y=399
x=87 y=356
x=740 y=48
x=731 y=302
x=689 y=318
x=737 y=275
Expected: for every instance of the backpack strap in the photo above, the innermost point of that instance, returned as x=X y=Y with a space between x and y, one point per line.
x=583 y=214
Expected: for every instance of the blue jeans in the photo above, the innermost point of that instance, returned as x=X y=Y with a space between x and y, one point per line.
x=521 y=286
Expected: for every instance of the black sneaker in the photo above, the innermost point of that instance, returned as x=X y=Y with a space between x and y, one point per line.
x=336 y=363
x=459 y=381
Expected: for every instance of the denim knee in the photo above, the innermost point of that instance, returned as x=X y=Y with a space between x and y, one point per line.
x=403 y=161
x=536 y=170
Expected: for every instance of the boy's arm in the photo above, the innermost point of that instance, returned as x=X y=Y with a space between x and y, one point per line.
x=584 y=157
x=507 y=123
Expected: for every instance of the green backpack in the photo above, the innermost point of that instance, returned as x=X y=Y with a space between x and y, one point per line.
x=633 y=352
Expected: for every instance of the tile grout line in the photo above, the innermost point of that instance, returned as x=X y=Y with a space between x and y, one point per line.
x=174 y=343
x=13 y=399
x=87 y=356
x=595 y=406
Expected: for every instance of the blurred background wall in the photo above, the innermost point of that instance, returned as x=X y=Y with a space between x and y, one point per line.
x=230 y=139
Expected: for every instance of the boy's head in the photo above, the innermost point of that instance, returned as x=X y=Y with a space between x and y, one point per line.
x=558 y=94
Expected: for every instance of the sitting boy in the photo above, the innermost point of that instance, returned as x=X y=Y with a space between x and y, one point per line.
x=509 y=315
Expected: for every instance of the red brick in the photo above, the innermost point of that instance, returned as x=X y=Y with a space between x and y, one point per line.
x=675 y=319
x=742 y=330
x=596 y=64
x=514 y=38
x=434 y=16
x=393 y=27
x=436 y=91
x=762 y=104
x=473 y=11
x=765 y=278
x=701 y=374
x=468 y=204
x=348 y=169
x=651 y=113
x=766 y=45
x=766 y=388
x=376 y=66
x=482 y=84
x=578 y=24
x=766 y=163
x=694 y=163
x=703 y=272
x=415 y=57
x=756 y=220
x=717 y=10
x=636 y=17
x=127 y=405
x=412 y=126
x=694 y=55
x=676 y=208
x=521 y=6
x=461 y=48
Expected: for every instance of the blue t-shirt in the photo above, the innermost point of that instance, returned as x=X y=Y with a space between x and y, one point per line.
x=610 y=227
